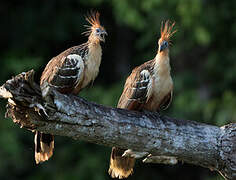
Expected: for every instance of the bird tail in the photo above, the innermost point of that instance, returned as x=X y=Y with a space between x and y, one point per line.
x=120 y=167
x=44 y=145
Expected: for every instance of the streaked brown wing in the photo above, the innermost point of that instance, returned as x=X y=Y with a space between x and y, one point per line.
x=136 y=89
x=63 y=73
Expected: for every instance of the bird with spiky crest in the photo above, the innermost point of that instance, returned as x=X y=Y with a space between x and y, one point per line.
x=149 y=87
x=70 y=72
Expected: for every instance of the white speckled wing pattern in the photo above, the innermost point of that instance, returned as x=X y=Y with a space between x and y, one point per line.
x=141 y=87
x=69 y=74
x=65 y=71
x=66 y=75
x=138 y=87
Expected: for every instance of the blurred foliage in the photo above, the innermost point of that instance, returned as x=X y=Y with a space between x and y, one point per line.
x=203 y=68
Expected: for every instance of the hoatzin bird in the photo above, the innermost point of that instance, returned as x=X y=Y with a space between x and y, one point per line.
x=149 y=87
x=70 y=72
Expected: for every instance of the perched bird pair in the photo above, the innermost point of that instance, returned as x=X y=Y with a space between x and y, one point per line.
x=149 y=87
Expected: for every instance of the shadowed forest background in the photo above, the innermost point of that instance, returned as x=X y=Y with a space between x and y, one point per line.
x=203 y=61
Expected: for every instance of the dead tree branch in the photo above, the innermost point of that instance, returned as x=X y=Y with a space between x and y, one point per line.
x=192 y=142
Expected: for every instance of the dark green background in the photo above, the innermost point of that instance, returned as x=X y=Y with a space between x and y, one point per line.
x=203 y=60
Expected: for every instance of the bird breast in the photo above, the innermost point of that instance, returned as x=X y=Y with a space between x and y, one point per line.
x=92 y=64
x=162 y=85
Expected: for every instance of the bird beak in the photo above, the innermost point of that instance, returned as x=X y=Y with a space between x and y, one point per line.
x=103 y=34
x=163 y=45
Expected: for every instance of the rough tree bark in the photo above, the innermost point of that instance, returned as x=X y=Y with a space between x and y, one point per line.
x=192 y=142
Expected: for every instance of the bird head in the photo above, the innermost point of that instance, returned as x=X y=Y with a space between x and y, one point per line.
x=166 y=33
x=95 y=31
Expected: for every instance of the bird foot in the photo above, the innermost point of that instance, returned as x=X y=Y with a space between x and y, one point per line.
x=161 y=159
x=134 y=154
x=39 y=108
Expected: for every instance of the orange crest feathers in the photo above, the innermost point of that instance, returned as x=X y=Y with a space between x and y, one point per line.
x=93 y=18
x=166 y=30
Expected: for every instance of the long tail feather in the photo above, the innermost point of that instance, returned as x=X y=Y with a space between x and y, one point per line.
x=120 y=167
x=44 y=145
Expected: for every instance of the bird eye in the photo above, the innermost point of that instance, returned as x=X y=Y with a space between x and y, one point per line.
x=97 y=30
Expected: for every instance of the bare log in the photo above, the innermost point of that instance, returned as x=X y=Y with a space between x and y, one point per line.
x=189 y=141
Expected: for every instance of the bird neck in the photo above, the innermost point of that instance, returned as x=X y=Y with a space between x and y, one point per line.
x=93 y=40
x=95 y=50
x=92 y=63
x=162 y=63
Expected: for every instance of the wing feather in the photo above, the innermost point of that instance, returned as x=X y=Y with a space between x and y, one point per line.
x=63 y=73
x=136 y=90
